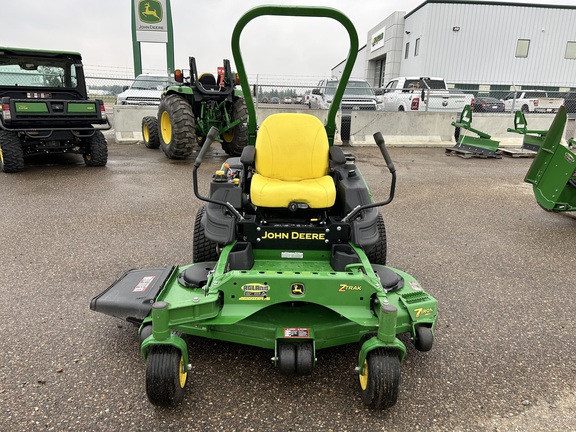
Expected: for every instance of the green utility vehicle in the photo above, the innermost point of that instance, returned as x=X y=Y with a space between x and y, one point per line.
x=187 y=112
x=45 y=108
x=289 y=255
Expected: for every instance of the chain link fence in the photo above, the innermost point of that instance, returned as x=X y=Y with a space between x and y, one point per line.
x=315 y=92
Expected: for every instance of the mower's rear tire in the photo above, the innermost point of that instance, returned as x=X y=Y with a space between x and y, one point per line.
x=177 y=127
x=202 y=249
x=97 y=151
x=380 y=382
x=11 y=153
x=150 y=132
x=423 y=338
x=166 y=376
x=234 y=140
x=377 y=254
x=286 y=358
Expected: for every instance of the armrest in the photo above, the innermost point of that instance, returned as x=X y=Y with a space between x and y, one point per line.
x=248 y=155
x=337 y=155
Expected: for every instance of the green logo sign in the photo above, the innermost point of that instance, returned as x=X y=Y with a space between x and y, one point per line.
x=150 y=11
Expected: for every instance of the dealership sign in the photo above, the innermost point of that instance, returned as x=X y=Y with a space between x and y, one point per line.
x=377 y=40
x=151 y=23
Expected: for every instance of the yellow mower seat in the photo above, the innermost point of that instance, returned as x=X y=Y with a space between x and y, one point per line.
x=291 y=163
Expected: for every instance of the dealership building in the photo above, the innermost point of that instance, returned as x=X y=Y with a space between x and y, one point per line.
x=478 y=46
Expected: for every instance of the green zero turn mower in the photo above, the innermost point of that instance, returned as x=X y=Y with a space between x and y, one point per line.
x=289 y=255
x=187 y=112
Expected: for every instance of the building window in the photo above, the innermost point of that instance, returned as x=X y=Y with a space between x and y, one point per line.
x=416 y=47
x=570 y=50
x=522 y=47
x=407 y=50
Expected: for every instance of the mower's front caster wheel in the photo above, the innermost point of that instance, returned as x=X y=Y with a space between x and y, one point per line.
x=150 y=132
x=380 y=380
x=423 y=338
x=166 y=376
x=304 y=358
x=287 y=359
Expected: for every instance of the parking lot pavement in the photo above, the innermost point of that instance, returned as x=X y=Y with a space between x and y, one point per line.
x=502 y=269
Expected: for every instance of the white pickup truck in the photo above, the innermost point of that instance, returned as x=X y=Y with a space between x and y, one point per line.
x=531 y=101
x=423 y=94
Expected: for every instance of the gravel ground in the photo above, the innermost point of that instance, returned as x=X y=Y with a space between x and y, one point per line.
x=502 y=269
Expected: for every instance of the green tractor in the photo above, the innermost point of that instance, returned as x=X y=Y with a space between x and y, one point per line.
x=289 y=255
x=187 y=112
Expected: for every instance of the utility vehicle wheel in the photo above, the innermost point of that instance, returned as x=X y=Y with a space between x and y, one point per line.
x=235 y=139
x=166 y=376
x=401 y=108
x=97 y=152
x=525 y=109
x=287 y=359
x=378 y=253
x=202 y=249
x=150 y=132
x=11 y=153
x=380 y=382
x=177 y=127
x=304 y=358
x=423 y=338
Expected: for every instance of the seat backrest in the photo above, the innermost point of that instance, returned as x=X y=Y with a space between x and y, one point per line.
x=292 y=147
x=207 y=80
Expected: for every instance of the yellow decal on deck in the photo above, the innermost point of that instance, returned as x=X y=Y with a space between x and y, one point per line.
x=423 y=311
x=344 y=288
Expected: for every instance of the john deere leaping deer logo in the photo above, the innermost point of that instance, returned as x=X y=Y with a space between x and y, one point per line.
x=297 y=289
x=150 y=11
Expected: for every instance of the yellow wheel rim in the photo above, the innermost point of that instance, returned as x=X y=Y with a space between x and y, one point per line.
x=364 y=376
x=181 y=374
x=146 y=133
x=228 y=136
x=1 y=156
x=166 y=128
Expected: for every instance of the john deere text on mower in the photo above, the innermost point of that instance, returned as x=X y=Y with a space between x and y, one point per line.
x=187 y=112
x=289 y=255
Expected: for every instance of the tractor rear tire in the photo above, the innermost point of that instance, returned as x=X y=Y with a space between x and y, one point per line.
x=234 y=140
x=150 y=132
x=97 y=152
x=203 y=250
x=165 y=376
x=177 y=127
x=377 y=254
x=380 y=382
x=11 y=153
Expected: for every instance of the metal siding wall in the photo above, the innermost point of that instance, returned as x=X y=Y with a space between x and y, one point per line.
x=483 y=51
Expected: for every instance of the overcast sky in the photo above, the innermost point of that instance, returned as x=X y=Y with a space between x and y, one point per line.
x=101 y=32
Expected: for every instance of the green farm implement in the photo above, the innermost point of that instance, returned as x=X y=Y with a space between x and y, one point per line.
x=552 y=173
x=289 y=255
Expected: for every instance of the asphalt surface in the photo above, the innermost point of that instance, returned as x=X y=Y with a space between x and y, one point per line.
x=502 y=269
